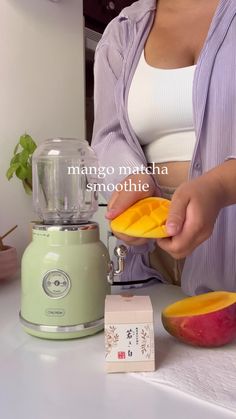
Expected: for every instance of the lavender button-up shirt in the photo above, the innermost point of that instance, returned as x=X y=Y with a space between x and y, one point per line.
x=212 y=265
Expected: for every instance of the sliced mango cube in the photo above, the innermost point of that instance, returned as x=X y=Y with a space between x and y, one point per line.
x=146 y=218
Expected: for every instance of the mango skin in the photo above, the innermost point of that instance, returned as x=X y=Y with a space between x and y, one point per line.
x=207 y=330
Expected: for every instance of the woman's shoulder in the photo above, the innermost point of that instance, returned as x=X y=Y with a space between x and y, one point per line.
x=118 y=32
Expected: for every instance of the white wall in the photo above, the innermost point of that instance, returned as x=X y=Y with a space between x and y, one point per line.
x=41 y=90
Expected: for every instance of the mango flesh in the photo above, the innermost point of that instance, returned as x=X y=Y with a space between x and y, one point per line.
x=207 y=320
x=146 y=218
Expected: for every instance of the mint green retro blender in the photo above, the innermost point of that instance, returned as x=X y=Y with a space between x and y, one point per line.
x=66 y=269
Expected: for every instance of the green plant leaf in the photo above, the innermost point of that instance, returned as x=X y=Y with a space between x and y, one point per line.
x=24 y=156
x=21 y=162
x=12 y=169
x=15 y=159
x=16 y=148
x=21 y=172
x=27 y=188
x=27 y=143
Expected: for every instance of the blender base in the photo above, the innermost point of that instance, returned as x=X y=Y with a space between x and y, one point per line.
x=62 y=332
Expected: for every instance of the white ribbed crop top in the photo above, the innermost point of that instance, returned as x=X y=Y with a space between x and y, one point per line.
x=161 y=113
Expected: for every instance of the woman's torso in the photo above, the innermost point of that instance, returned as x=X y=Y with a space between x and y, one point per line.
x=175 y=41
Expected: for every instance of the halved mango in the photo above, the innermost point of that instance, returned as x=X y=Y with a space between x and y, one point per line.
x=146 y=218
x=204 y=320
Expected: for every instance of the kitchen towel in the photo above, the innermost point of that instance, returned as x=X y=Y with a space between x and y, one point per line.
x=208 y=374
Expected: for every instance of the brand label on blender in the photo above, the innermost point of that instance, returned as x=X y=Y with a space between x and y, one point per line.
x=55 y=312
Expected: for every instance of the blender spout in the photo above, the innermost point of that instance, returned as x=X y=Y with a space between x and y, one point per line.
x=120 y=252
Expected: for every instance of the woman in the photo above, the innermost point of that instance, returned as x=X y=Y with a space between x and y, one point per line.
x=153 y=60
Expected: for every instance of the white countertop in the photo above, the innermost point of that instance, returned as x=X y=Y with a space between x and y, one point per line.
x=42 y=379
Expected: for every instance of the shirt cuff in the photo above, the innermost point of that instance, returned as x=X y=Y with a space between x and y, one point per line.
x=230 y=157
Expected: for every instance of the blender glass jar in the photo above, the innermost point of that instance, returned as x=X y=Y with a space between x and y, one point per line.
x=64 y=181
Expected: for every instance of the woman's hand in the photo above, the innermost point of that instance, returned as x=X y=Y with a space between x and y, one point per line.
x=122 y=200
x=194 y=208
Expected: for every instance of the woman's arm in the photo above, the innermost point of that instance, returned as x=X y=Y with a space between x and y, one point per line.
x=111 y=146
x=109 y=142
x=225 y=175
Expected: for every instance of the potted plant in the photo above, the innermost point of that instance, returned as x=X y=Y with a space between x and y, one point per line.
x=8 y=258
x=21 y=165
x=21 y=162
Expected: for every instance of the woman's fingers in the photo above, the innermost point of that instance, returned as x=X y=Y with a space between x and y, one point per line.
x=123 y=199
x=177 y=213
x=131 y=241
